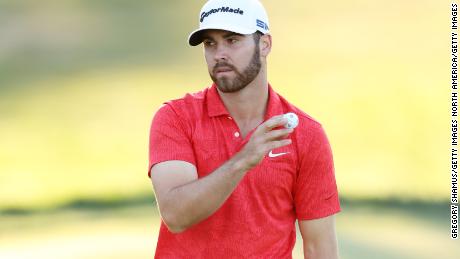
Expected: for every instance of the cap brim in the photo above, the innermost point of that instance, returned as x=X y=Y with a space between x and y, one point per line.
x=196 y=37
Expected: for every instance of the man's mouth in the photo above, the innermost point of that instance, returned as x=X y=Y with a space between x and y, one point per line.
x=223 y=69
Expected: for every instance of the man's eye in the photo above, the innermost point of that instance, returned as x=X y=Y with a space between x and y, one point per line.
x=208 y=43
x=232 y=41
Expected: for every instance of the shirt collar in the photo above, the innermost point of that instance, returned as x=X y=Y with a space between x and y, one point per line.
x=214 y=103
x=216 y=107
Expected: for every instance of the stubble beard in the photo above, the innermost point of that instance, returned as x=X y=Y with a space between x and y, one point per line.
x=242 y=79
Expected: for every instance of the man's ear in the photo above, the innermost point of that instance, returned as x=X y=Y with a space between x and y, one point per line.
x=265 y=45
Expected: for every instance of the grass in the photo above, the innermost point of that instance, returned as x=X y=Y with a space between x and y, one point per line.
x=370 y=229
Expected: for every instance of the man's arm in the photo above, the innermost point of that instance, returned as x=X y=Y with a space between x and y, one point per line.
x=185 y=200
x=319 y=238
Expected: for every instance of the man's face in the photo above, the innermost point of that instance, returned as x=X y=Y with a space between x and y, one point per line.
x=233 y=59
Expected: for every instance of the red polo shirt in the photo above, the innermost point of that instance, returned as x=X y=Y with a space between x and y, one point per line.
x=258 y=219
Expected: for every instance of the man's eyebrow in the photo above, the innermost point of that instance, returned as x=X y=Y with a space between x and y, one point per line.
x=206 y=37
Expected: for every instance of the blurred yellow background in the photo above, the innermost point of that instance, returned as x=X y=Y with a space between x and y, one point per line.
x=80 y=81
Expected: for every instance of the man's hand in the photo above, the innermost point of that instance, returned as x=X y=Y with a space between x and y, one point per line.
x=264 y=139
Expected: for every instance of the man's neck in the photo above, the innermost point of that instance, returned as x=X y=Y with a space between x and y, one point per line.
x=249 y=104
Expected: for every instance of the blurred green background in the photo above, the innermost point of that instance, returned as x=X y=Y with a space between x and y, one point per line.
x=80 y=81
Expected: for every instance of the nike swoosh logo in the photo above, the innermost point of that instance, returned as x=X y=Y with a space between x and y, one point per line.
x=277 y=154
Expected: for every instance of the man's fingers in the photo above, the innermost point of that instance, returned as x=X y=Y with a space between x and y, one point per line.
x=274 y=122
x=279 y=143
x=276 y=134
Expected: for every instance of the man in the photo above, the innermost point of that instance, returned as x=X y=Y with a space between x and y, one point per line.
x=230 y=180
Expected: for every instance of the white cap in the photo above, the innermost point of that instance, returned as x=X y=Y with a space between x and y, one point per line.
x=240 y=16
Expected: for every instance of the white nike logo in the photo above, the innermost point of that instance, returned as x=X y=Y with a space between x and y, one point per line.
x=277 y=154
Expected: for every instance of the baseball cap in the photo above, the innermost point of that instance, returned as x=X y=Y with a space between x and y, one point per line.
x=239 y=16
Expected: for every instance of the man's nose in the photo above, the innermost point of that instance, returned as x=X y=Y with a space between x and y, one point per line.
x=221 y=53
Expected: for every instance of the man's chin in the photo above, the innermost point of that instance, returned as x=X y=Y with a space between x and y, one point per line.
x=227 y=87
x=224 y=76
x=223 y=86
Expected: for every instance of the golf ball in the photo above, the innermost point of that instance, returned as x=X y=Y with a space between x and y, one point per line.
x=293 y=120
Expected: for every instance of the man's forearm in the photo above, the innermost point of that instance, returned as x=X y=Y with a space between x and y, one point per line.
x=195 y=201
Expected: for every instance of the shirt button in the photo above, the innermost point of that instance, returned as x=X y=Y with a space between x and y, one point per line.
x=237 y=134
x=230 y=118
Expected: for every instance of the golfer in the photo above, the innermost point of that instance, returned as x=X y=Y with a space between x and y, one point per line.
x=229 y=175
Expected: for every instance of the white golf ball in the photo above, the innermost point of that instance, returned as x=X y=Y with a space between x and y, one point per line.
x=293 y=120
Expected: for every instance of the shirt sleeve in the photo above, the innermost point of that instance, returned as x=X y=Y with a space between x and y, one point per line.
x=316 y=194
x=169 y=139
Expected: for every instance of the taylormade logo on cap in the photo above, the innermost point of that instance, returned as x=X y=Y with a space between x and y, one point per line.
x=222 y=9
x=239 y=16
